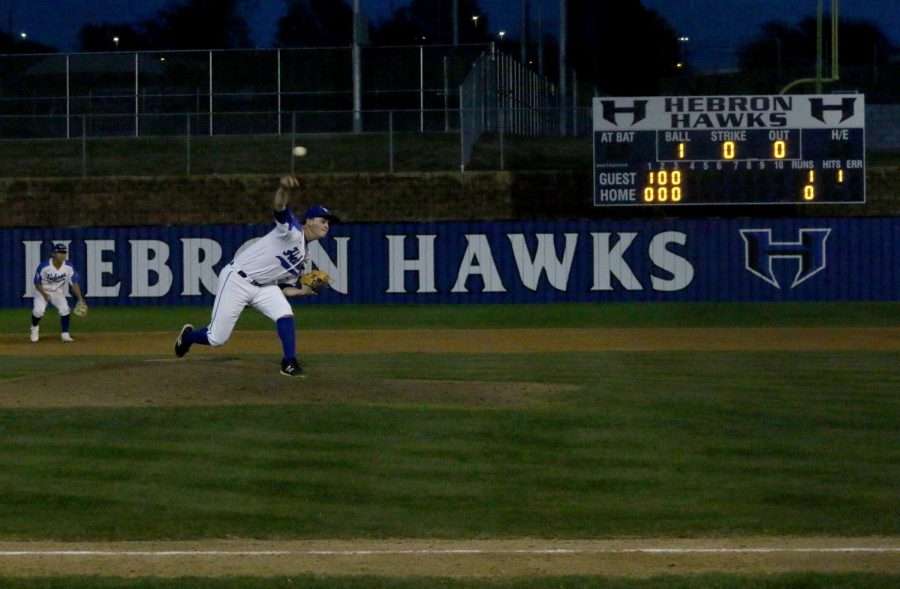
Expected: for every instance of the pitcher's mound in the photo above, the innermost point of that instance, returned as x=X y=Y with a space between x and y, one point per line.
x=223 y=380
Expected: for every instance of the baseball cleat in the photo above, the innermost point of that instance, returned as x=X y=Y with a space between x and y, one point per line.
x=290 y=367
x=35 y=333
x=182 y=346
x=66 y=338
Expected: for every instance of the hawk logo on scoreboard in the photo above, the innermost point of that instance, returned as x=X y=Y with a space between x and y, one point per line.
x=818 y=108
x=808 y=252
x=638 y=110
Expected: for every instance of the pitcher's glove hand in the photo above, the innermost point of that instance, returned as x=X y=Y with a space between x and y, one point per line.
x=81 y=309
x=316 y=280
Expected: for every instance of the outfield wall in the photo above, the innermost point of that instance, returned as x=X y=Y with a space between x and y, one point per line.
x=828 y=259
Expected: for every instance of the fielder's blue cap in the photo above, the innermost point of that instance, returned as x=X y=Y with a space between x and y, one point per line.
x=60 y=248
x=319 y=211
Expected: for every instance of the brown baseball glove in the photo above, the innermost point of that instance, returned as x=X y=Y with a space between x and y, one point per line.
x=81 y=309
x=316 y=280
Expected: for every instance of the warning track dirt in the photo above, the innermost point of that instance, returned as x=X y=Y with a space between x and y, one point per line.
x=453 y=558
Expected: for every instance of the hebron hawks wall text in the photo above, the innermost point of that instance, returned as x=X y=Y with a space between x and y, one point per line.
x=503 y=262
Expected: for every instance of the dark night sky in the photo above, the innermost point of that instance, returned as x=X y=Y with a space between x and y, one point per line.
x=716 y=28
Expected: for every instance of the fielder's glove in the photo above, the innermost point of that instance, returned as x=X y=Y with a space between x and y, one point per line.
x=316 y=280
x=81 y=309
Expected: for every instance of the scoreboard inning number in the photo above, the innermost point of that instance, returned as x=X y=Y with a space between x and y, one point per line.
x=794 y=149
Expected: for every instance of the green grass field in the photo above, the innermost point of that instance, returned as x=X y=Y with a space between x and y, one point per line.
x=643 y=445
x=628 y=444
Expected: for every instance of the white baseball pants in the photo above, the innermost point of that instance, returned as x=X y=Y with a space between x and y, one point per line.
x=237 y=293
x=57 y=299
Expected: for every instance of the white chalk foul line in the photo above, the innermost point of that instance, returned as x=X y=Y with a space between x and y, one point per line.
x=439 y=552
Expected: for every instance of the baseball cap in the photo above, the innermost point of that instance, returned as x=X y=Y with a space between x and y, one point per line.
x=319 y=211
x=60 y=248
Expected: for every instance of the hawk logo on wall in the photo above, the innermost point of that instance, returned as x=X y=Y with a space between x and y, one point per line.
x=808 y=252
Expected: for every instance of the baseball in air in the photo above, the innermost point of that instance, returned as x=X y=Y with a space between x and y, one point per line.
x=299 y=151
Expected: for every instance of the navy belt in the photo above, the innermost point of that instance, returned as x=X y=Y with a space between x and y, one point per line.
x=243 y=275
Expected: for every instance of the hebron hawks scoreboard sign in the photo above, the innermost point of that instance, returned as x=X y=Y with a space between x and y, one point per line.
x=504 y=262
x=723 y=150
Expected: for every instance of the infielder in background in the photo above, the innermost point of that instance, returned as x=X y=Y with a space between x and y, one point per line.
x=52 y=280
x=262 y=276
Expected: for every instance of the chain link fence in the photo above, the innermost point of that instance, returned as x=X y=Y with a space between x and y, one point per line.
x=392 y=143
x=44 y=96
x=240 y=111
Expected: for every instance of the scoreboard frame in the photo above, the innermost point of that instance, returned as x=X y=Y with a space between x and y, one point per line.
x=729 y=150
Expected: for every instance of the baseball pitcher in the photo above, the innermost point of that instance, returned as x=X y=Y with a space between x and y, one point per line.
x=264 y=274
x=52 y=281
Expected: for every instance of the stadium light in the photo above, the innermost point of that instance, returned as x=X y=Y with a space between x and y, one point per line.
x=682 y=51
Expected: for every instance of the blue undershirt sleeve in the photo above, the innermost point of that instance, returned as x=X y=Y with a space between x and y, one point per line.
x=283 y=216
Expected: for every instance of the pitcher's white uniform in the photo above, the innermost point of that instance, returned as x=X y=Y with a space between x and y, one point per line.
x=55 y=282
x=263 y=276
x=252 y=278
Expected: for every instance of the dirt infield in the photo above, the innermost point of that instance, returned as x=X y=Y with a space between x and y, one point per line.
x=152 y=376
x=483 y=341
x=152 y=355
x=453 y=558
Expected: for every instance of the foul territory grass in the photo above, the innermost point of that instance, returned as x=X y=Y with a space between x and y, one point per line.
x=316 y=316
x=637 y=444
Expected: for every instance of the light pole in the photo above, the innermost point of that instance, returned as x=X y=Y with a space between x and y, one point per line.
x=116 y=42
x=525 y=32
x=540 y=39
x=682 y=53
x=475 y=25
x=455 y=19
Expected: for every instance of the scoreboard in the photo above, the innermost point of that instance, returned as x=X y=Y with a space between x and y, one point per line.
x=729 y=150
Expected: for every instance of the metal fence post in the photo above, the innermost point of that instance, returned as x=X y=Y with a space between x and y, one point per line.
x=563 y=67
x=446 y=97
x=293 y=138
x=68 y=100
x=83 y=146
x=574 y=103
x=355 y=66
x=137 y=95
x=391 y=141
x=502 y=131
x=357 y=86
x=278 y=66
x=187 y=118
x=210 y=94
x=482 y=94
x=462 y=133
x=421 y=89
